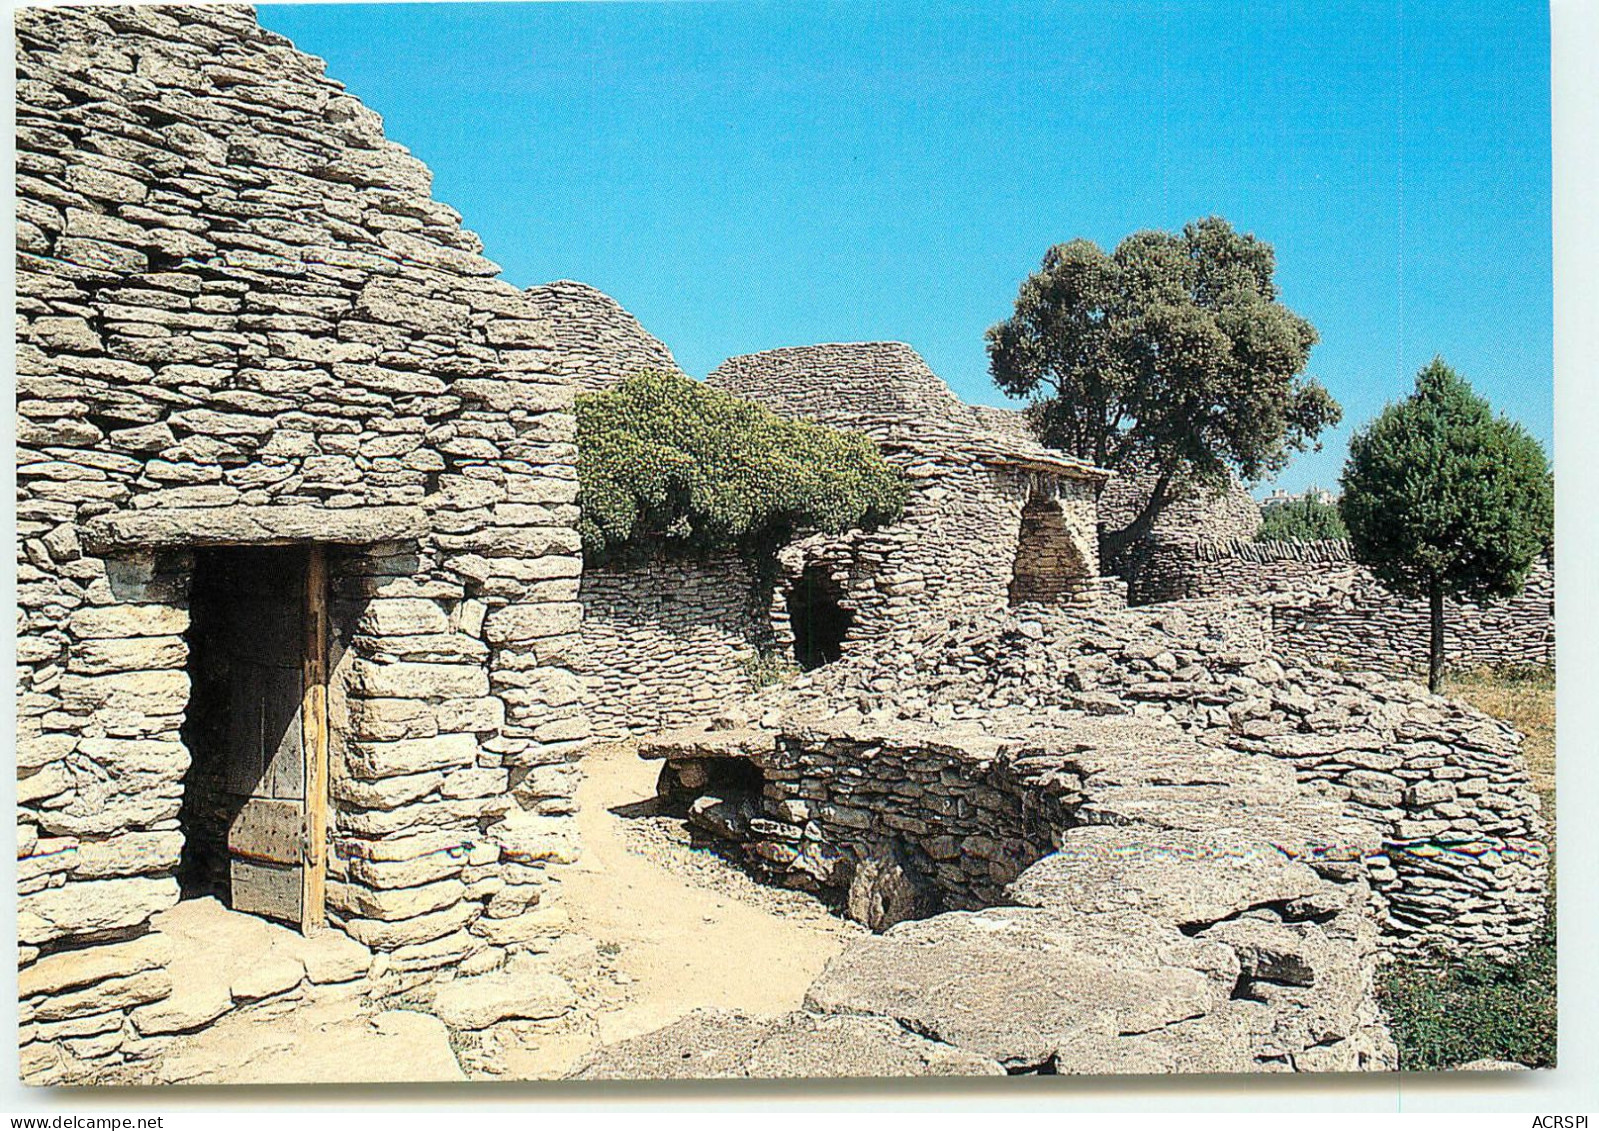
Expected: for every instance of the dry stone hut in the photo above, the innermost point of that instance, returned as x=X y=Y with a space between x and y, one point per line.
x=299 y=640
x=297 y=560
x=995 y=518
x=672 y=640
x=597 y=343
x=1166 y=564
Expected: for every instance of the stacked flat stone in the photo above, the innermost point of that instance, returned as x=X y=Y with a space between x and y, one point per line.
x=599 y=344
x=1161 y=565
x=1169 y=907
x=669 y=642
x=1463 y=870
x=956 y=547
x=242 y=319
x=837 y=795
x=1325 y=604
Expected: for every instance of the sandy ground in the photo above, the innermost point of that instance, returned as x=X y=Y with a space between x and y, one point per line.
x=673 y=928
x=681 y=927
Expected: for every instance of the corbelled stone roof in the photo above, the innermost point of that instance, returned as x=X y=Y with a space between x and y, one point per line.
x=599 y=344
x=885 y=390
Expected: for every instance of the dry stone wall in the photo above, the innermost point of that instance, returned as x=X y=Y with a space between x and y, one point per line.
x=670 y=641
x=828 y=803
x=674 y=639
x=1325 y=604
x=243 y=321
x=1163 y=565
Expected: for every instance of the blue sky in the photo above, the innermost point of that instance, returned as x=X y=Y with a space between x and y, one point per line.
x=743 y=176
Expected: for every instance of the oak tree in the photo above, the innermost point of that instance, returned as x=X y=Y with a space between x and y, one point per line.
x=1171 y=356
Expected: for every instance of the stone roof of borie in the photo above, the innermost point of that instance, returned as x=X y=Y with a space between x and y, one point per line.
x=887 y=391
x=598 y=343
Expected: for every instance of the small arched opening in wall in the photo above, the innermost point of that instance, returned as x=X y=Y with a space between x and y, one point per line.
x=818 y=616
x=1051 y=568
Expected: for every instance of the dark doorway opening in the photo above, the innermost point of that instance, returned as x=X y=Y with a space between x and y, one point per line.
x=817 y=617
x=244 y=800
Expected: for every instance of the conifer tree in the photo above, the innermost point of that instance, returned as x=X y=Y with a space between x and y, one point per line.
x=1444 y=498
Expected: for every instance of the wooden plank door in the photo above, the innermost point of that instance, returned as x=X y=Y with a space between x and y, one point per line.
x=272 y=627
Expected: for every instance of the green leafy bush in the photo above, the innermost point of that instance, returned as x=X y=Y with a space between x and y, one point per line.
x=1448 y=1016
x=1303 y=520
x=668 y=464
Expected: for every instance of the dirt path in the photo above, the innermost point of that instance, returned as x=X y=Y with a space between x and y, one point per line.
x=679 y=928
x=688 y=929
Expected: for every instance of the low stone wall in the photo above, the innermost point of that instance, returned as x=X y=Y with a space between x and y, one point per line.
x=1325 y=604
x=669 y=642
x=244 y=322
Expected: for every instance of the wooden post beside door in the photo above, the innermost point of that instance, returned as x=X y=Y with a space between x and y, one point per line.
x=314 y=724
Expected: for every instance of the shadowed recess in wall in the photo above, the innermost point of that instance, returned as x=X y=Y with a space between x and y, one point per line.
x=245 y=787
x=818 y=618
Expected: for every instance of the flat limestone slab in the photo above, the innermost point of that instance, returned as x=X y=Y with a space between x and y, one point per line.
x=251 y=526
x=721 y=1044
x=1017 y=984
